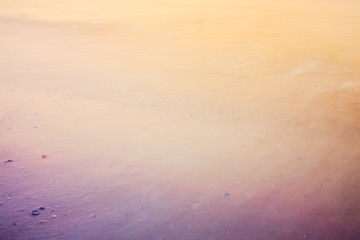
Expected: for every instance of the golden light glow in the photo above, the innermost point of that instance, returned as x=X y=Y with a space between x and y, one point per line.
x=180 y=119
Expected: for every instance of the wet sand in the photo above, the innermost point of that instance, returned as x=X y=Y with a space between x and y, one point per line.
x=192 y=120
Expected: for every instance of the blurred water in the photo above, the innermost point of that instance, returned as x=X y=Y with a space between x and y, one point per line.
x=180 y=119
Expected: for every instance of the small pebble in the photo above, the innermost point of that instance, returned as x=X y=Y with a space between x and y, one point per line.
x=41 y=208
x=306 y=235
x=227 y=194
x=14 y=224
x=44 y=156
x=9 y=160
x=54 y=216
x=43 y=221
x=35 y=212
x=93 y=215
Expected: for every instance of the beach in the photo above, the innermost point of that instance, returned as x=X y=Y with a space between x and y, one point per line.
x=180 y=120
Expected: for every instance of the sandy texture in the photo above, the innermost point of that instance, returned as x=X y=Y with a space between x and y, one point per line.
x=180 y=120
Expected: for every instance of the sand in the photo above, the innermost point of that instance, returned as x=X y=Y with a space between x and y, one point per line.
x=180 y=120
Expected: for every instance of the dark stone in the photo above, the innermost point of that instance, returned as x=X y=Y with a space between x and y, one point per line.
x=9 y=160
x=35 y=212
x=227 y=194
x=41 y=208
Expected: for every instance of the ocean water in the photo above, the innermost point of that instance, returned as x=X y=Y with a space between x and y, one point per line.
x=180 y=119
